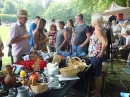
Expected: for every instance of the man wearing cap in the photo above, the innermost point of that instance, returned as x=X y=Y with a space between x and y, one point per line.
x=19 y=37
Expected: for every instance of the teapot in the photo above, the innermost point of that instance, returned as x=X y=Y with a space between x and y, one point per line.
x=53 y=69
x=53 y=81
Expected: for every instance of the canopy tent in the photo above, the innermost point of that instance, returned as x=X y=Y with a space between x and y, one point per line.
x=115 y=9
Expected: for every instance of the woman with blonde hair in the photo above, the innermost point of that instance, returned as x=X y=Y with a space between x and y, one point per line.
x=40 y=38
x=97 y=47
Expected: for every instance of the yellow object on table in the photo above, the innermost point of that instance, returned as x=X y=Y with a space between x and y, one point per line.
x=23 y=73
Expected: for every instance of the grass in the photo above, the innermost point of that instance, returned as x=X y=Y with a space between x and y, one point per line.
x=4 y=32
x=113 y=85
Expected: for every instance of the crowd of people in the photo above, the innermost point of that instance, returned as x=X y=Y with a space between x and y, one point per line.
x=77 y=37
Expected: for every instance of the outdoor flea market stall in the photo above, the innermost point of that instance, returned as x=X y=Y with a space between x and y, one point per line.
x=45 y=75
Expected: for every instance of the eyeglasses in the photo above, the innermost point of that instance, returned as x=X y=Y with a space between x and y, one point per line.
x=76 y=18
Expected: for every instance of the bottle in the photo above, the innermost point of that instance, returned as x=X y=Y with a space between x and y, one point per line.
x=124 y=94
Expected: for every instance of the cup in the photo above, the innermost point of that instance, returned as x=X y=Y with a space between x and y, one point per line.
x=11 y=94
x=12 y=90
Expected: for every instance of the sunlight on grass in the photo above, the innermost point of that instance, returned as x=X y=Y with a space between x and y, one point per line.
x=4 y=31
x=6 y=60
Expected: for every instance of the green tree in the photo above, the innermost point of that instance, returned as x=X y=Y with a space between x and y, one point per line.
x=47 y=3
x=10 y=7
x=1 y=5
x=61 y=11
x=96 y=5
x=34 y=8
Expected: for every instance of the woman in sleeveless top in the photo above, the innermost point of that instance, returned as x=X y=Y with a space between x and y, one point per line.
x=97 y=47
x=70 y=29
x=40 y=38
x=61 y=37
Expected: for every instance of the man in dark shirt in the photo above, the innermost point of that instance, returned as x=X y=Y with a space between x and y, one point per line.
x=81 y=35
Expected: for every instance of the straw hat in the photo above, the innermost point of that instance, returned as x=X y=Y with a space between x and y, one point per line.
x=22 y=13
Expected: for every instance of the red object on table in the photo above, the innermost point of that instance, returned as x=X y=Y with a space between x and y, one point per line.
x=28 y=64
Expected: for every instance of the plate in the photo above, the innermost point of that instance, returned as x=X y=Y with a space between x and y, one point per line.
x=61 y=85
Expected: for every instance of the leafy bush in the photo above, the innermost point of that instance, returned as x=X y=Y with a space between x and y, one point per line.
x=8 y=17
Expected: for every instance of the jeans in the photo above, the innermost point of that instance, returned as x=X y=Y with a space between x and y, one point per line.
x=78 y=49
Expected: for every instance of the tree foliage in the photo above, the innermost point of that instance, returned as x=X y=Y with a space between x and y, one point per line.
x=96 y=5
x=34 y=8
x=61 y=11
x=47 y=3
x=8 y=17
x=57 y=10
x=10 y=7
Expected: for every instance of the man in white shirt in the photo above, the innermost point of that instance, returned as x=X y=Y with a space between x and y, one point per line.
x=124 y=27
x=124 y=50
x=116 y=28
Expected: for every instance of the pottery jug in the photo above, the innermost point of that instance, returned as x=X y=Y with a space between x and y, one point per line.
x=10 y=79
x=53 y=69
x=23 y=92
x=53 y=81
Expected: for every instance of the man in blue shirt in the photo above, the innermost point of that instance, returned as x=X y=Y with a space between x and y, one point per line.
x=31 y=29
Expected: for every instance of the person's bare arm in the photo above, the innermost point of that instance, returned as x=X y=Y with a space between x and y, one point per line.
x=126 y=46
x=72 y=39
x=86 y=41
x=117 y=31
x=103 y=40
x=36 y=35
x=2 y=47
x=18 y=39
x=65 y=39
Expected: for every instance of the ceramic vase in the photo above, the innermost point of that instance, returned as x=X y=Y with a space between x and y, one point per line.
x=23 y=92
x=10 y=79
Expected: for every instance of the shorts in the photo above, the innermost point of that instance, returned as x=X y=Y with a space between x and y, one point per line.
x=96 y=65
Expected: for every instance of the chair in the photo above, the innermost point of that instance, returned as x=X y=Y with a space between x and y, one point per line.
x=113 y=52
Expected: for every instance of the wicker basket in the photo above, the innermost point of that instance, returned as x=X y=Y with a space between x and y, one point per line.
x=38 y=87
x=78 y=62
x=32 y=57
x=69 y=71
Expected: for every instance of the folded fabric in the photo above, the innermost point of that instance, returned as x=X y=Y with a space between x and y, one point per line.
x=45 y=55
x=26 y=57
x=28 y=64
x=65 y=54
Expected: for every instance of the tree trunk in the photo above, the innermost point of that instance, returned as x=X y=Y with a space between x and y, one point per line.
x=128 y=3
